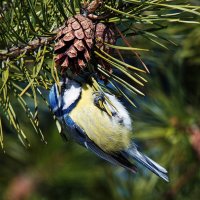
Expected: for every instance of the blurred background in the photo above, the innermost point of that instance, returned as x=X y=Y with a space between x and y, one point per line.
x=166 y=127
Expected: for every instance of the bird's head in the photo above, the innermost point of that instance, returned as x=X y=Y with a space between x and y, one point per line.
x=63 y=95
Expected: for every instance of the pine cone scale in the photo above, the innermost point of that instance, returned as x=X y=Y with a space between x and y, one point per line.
x=89 y=33
x=71 y=52
x=76 y=25
x=79 y=34
x=81 y=63
x=85 y=25
x=87 y=55
x=65 y=63
x=59 y=45
x=79 y=45
x=89 y=43
x=68 y=37
x=67 y=30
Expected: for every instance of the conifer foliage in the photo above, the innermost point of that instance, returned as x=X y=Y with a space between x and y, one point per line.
x=42 y=40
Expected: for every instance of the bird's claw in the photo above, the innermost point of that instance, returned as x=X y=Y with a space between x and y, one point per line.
x=99 y=99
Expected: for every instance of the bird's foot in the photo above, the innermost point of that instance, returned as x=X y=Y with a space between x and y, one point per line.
x=99 y=99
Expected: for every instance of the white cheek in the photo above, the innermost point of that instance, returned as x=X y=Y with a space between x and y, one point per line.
x=71 y=94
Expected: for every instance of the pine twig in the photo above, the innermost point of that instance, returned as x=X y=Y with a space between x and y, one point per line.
x=31 y=46
x=94 y=5
x=41 y=41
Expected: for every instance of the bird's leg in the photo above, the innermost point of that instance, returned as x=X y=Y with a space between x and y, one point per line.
x=99 y=98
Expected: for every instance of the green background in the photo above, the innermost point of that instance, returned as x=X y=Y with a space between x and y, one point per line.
x=166 y=127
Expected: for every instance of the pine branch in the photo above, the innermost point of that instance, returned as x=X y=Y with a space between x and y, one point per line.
x=41 y=41
x=14 y=52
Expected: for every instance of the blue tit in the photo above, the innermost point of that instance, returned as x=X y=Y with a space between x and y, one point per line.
x=108 y=136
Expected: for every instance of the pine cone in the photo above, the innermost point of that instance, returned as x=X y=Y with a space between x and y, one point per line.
x=104 y=34
x=74 y=43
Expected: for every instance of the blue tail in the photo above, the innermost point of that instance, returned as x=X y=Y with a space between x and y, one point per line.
x=147 y=162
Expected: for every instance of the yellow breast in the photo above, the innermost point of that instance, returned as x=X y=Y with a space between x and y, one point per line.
x=100 y=128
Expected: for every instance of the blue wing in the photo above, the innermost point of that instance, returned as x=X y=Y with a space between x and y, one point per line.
x=79 y=136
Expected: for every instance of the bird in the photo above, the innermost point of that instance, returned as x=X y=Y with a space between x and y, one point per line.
x=76 y=106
